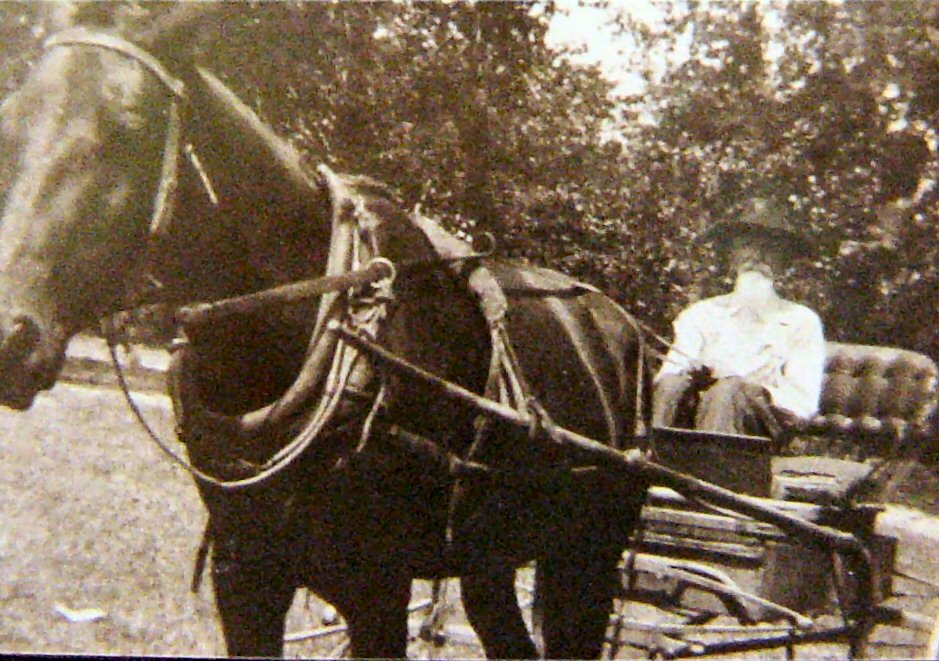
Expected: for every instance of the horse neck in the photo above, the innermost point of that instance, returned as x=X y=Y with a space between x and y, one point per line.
x=248 y=215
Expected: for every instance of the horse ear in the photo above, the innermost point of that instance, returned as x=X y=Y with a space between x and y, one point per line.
x=57 y=16
x=178 y=25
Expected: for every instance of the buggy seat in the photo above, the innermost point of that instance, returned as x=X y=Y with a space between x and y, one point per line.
x=877 y=402
x=876 y=393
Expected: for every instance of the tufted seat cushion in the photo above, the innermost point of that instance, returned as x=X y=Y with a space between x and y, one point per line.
x=882 y=400
x=876 y=391
x=879 y=400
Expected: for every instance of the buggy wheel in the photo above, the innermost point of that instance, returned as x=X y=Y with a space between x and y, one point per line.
x=317 y=631
x=437 y=627
x=649 y=621
x=679 y=608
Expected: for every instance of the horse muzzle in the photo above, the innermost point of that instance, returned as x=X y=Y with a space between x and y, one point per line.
x=19 y=380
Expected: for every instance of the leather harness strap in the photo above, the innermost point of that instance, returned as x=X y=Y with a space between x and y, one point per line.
x=166 y=190
x=506 y=381
x=81 y=36
x=165 y=198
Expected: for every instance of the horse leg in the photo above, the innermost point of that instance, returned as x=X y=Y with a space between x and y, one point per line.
x=375 y=607
x=492 y=609
x=252 y=600
x=577 y=590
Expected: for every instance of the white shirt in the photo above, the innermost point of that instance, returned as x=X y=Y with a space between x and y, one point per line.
x=759 y=336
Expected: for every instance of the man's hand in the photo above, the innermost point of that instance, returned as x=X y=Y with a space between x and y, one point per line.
x=787 y=419
x=702 y=378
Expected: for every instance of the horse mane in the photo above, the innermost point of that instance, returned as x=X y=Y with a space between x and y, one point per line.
x=263 y=142
x=177 y=24
x=276 y=150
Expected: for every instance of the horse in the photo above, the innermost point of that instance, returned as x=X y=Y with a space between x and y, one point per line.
x=126 y=165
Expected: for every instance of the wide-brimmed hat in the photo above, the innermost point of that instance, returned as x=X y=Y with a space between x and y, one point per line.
x=762 y=220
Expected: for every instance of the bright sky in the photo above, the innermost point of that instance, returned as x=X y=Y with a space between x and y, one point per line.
x=587 y=27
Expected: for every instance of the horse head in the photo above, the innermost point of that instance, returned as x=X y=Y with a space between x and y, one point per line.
x=78 y=145
x=95 y=166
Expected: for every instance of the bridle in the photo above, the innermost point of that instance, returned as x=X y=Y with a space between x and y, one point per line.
x=165 y=195
x=164 y=199
x=354 y=267
x=353 y=262
x=330 y=361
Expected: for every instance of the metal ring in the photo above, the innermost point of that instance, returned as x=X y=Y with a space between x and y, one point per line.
x=490 y=248
x=384 y=261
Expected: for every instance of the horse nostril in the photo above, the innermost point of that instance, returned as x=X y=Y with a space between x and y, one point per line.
x=20 y=341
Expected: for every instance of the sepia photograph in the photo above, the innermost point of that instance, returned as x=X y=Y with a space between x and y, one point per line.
x=468 y=329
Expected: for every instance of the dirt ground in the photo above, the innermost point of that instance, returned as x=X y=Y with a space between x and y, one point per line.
x=98 y=532
x=97 y=527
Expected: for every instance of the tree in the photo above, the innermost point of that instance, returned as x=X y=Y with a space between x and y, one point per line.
x=464 y=109
x=837 y=124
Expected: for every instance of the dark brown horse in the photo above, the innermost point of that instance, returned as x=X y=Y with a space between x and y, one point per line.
x=104 y=185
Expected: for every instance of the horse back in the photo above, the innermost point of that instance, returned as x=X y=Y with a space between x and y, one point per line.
x=578 y=350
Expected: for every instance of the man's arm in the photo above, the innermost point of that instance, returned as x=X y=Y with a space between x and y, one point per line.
x=677 y=373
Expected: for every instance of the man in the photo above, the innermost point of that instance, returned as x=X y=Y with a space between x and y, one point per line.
x=753 y=360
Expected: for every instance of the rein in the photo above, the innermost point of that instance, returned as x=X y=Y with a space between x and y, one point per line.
x=331 y=357
x=378 y=269
x=329 y=362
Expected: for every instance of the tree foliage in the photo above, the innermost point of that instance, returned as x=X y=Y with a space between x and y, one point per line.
x=832 y=110
x=463 y=108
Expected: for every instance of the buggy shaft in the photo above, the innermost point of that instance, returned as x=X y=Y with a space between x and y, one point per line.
x=294 y=292
x=631 y=462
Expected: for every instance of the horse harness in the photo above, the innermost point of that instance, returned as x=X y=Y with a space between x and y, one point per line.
x=367 y=289
x=346 y=269
x=166 y=191
x=355 y=293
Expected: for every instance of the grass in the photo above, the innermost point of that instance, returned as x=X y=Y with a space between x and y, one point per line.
x=93 y=516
